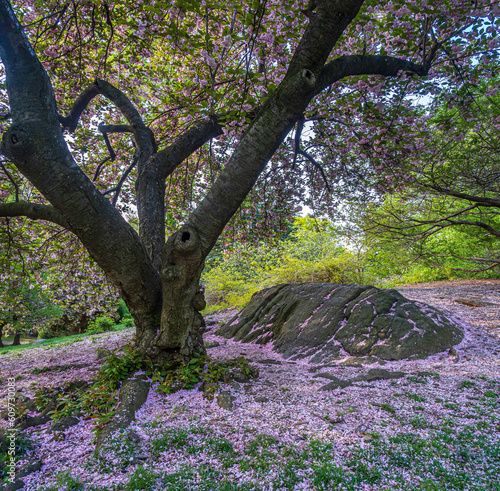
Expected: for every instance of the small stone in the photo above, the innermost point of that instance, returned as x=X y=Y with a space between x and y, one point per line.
x=241 y=377
x=362 y=429
x=29 y=468
x=134 y=437
x=226 y=401
x=336 y=383
x=378 y=374
x=31 y=421
x=326 y=375
x=13 y=486
x=215 y=344
x=63 y=424
x=261 y=399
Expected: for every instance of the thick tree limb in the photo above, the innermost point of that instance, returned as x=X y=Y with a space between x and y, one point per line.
x=191 y=140
x=350 y=65
x=275 y=119
x=34 y=211
x=35 y=144
x=480 y=200
x=476 y=223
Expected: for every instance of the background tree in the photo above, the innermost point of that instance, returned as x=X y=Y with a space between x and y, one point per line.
x=446 y=211
x=195 y=72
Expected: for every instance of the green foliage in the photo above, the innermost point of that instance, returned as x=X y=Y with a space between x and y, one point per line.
x=99 y=401
x=202 y=369
x=318 y=252
x=128 y=322
x=123 y=311
x=311 y=252
x=141 y=480
x=23 y=445
x=101 y=324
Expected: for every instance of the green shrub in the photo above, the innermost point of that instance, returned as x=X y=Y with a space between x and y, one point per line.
x=128 y=322
x=48 y=332
x=101 y=324
x=122 y=310
x=311 y=253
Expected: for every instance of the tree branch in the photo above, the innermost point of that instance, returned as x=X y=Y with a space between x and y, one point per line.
x=317 y=165
x=350 y=65
x=11 y=179
x=34 y=211
x=168 y=159
x=476 y=223
x=71 y=120
x=480 y=200
x=143 y=135
x=122 y=180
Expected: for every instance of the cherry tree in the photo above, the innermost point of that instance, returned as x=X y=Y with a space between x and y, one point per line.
x=236 y=113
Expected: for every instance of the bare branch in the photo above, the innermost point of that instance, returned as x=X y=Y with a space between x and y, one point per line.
x=317 y=165
x=122 y=180
x=11 y=179
x=298 y=135
x=99 y=168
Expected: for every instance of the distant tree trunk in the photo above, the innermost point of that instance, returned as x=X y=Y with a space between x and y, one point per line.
x=2 y=324
x=17 y=339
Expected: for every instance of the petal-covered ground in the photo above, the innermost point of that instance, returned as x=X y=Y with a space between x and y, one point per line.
x=438 y=427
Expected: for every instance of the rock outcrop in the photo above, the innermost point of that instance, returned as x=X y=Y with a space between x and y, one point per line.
x=322 y=322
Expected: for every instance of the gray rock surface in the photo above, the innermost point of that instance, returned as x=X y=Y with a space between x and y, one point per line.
x=225 y=400
x=370 y=376
x=133 y=394
x=322 y=322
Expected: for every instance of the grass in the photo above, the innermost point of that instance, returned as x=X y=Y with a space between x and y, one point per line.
x=56 y=342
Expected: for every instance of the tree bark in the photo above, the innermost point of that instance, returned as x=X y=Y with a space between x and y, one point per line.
x=179 y=338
